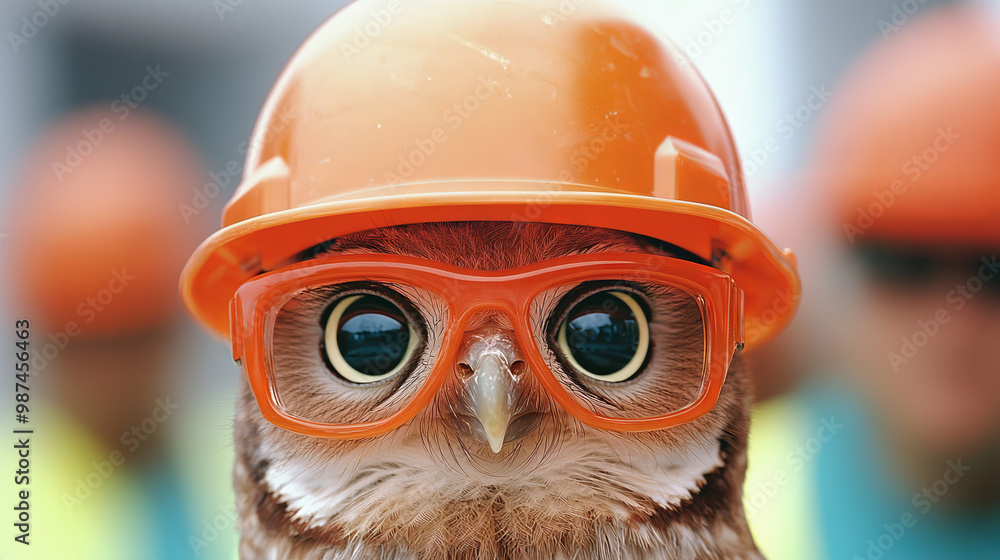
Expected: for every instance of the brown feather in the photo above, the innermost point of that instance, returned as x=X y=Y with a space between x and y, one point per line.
x=494 y=519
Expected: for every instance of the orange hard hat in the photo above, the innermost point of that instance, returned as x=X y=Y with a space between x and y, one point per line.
x=97 y=239
x=400 y=113
x=910 y=147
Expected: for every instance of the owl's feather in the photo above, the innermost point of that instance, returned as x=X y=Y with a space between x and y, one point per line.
x=565 y=491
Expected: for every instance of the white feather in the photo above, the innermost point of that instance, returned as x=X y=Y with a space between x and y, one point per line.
x=320 y=492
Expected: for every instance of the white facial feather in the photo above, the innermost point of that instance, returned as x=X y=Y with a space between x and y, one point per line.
x=419 y=491
x=361 y=489
x=397 y=477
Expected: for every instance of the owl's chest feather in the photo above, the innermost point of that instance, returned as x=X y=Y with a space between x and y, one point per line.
x=589 y=508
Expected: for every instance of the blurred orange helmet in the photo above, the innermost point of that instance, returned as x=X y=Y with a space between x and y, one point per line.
x=400 y=113
x=910 y=147
x=97 y=238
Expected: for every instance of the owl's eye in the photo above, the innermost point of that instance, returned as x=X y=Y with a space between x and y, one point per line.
x=367 y=338
x=606 y=336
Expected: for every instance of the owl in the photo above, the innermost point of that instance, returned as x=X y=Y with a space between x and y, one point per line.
x=492 y=466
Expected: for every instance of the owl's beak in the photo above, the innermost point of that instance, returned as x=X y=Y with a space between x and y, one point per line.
x=490 y=393
x=490 y=369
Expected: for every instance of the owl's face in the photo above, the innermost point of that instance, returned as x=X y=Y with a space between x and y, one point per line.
x=492 y=454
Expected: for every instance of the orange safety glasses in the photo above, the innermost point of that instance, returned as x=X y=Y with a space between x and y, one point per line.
x=257 y=303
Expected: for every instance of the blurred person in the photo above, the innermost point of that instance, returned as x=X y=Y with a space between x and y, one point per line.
x=97 y=242
x=896 y=455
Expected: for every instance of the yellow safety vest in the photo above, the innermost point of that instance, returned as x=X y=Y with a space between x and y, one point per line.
x=779 y=494
x=84 y=500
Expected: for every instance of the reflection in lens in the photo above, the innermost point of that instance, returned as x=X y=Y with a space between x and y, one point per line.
x=606 y=336
x=368 y=338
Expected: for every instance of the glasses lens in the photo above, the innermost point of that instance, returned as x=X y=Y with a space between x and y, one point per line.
x=367 y=338
x=358 y=352
x=346 y=354
x=625 y=350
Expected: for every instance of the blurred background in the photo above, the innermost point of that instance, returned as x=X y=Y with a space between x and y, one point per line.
x=185 y=79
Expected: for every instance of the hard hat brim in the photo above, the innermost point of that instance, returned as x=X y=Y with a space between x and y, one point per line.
x=766 y=274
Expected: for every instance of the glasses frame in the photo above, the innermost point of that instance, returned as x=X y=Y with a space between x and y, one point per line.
x=256 y=304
